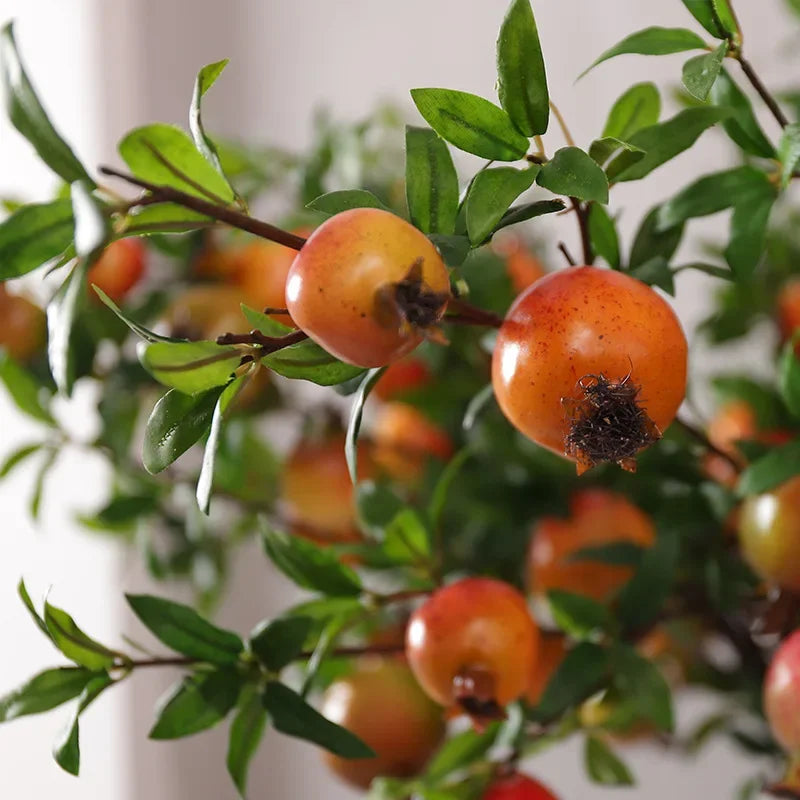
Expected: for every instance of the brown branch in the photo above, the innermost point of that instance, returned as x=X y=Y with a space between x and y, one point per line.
x=230 y=216
x=582 y=213
x=700 y=437
x=269 y=344
x=467 y=314
x=566 y=253
x=764 y=93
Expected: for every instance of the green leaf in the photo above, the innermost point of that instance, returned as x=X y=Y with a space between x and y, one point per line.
x=264 y=323
x=748 y=230
x=459 y=751
x=521 y=75
x=176 y=423
x=190 y=367
x=278 y=642
x=182 y=629
x=710 y=194
x=376 y=507
x=35 y=503
x=445 y=483
x=642 y=598
x=653 y=41
x=651 y=241
x=714 y=15
x=205 y=80
x=121 y=512
x=578 y=615
x=664 y=141
x=162 y=218
x=639 y=107
x=603 y=765
x=246 y=732
x=344 y=200
x=431 y=182
x=406 y=538
x=139 y=330
x=700 y=72
x=33 y=235
x=789 y=152
x=471 y=123
x=742 y=126
x=66 y=749
x=48 y=689
x=770 y=470
x=309 y=566
x=22 y=591
x=92 y=223
x=16 y=457
x=643 y=692
x=603 y=235
x=354 y=424
x=166 y=155
x=574 y=173
x=76 y=645
x=526 y=211
x=290 y=714
x=490 y=194
x=196 y=703
x=62 y=311
x=29 y=117
x=453 y=249
x=309 y=362
x=601 y=150
x=206 y=480
x=24 y=390
x=583 y=671
x=788 y=377
x=619 y=553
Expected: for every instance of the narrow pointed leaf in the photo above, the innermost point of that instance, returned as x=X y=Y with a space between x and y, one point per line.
x=491 y=194
x=714 y=15
x=789 y=152
x=92 y=224
x=700 y=72
x=345 y=200
x=431 y=182
x=742 y=126
x=73 y=642
x=17 y=457
x=139 y=330
x=770 y=470
x=278 y=642
x=61 y=314
x=603 y=766
x=246 y=732
x=638 y=107
x=24 y=389
x=307 y=361
x=354 y=424
x=603 y=235
x=574 y=173
x=651 y=241
x=190 y=367
x=748 y=233
x=46 y=691
x=22 y=591
x=205 y=80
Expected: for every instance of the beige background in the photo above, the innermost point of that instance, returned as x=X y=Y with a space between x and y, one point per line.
x=106 y=66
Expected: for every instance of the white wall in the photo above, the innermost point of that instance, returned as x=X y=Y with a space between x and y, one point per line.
x=107 y=66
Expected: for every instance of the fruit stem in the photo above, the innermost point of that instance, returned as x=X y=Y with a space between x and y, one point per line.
x=582 y=213
x=467 y=314
x=700 y=437
x=562 y=124
x=758 y=85
x=230 y=216
x=269 y=344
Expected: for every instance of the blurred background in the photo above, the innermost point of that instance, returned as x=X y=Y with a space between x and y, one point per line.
x=104 y=67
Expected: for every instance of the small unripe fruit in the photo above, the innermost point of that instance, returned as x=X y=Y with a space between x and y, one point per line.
x=590 y=363
x=518 y=787
x=782 y=694
x=23 y=326
x=473 y=644
x=119 y=268
x=367 y=286
x=769 y=534
x=599 y=517
x=381 y=703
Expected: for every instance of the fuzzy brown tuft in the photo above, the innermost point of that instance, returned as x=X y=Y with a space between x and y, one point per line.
x=411 y=300
x=606 y=423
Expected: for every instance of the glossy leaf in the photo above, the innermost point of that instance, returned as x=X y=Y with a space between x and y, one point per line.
x=165 y=155
x=471 y=123
x=639 y=107
x=601 y=150
x=290 y=714
x=521 y=75
x=309 y=362
x=654 y=41
x=655 y=272
x=714 y=15
x=92 y=224
x=376 y=506
x=789 y=377
x=190 y=367
x=139 y=330
x=278 y=642
x=664 y=141
x=206 y=480
x=163 y=218
x=205 y=80
x=73 y=642
x=461 y=750
x=29 y=117
x=526 y=211
x=445 y=483
x=182 y=629
x=406 y=538
x=700 y=72
x=789 y=152
x=603 y=235
x=770 y=470
x=603 y=766
x=310 y=566
x=62 y=311
x=491 y=194
x=177 y=421
x=345 y=200
x=651 y=240
x=574 y=173
x=749 y=229
x=22 y=591
x=247 y=730
x=45 y=691
x=431 y=182
x=33 y=235
x=578 y=615
x=453 y=249
x=354 y=424
x=66 y=749
x=643 y=692
x=196 y=704
x=24 y=389
x=742 y=126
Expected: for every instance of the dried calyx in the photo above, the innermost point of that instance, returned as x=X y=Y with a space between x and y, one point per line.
x=607 y=423
x=411 y=301
x=474 y=694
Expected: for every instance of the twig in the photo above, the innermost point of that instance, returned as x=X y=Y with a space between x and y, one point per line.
x=582 y=213
x=562 y=124
x=467 y=314
x=566 y=253
x=270 y=344
x=766 y=96
x=221 y=213
x=702 y=439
